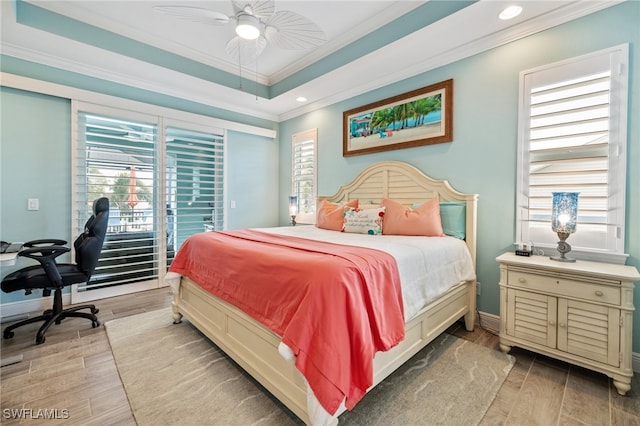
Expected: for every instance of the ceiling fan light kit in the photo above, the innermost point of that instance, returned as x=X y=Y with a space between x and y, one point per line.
x=256 y=21
x=248 y=27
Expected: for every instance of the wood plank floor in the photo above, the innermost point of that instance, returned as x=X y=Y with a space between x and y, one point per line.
x=73 y=376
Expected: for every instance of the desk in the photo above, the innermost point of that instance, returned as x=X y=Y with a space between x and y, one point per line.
x=8 y=259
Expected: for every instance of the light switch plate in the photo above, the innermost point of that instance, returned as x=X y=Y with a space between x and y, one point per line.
x=33 y=204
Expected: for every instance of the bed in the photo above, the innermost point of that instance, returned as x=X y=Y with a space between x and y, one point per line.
x=259 y=350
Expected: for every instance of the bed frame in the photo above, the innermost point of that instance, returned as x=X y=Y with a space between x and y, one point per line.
x=255 y=347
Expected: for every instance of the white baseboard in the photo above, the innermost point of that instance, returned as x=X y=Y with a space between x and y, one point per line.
x=489 y=322
x=23 y=307
x=492 y=323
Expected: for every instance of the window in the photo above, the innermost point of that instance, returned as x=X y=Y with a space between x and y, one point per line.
x=303 y=174
x=165 y=181
x=572 y=137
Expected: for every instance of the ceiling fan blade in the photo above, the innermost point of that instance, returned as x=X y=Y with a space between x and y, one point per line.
x=261 y=9
x=289 y=30
x=246 y=51
x=194 y=14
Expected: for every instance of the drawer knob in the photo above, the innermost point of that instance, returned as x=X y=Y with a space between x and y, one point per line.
x=522 y=280
x=599 y=293
x=562 y=325
x=552 y=323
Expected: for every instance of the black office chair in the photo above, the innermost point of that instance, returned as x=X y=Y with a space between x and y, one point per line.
x=50 y=275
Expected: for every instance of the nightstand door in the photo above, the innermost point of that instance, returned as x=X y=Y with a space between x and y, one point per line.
x=532 y=317
x=588 y=330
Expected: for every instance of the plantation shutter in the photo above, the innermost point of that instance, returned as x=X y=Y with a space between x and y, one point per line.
x=304 y=174
x=115 y=157
x=194 y=183
x=573 y=141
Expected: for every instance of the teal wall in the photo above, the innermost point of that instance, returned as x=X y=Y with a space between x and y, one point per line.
x=35 y=162
x=252 y=174
x=482 y=157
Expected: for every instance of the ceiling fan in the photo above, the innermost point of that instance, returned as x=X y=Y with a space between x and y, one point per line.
x=257 y=23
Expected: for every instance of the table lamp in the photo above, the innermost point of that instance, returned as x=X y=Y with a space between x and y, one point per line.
x=293 y=208
x=564 y=215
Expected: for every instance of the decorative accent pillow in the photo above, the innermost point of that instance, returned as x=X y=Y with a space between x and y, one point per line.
x=454 y=219
x=368 y=206
x=330 y=215
x=363 y=221
x=423 y=220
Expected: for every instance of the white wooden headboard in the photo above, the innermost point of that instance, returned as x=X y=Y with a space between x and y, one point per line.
x=406 y=184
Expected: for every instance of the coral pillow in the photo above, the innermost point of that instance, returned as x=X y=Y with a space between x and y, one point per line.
x=331 y=216
x=423 y=220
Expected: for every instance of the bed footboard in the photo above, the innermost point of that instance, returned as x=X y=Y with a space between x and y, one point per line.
x=255 y=348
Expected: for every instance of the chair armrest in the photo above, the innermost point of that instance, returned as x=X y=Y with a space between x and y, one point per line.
x=47 y=258
x=50 y=241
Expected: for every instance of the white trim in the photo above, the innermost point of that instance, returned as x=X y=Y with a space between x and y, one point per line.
x=22 y=307
x=489 y=322
x=117 y=290
x=54 y=89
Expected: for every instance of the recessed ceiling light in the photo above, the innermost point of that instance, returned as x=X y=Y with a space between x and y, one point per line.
x=301 y=99
x=510 y=12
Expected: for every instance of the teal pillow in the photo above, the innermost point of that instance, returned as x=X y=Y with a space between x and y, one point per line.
x=453 y=215
x=454 y=219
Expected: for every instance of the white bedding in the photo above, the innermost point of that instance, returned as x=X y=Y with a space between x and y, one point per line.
x=428 y=267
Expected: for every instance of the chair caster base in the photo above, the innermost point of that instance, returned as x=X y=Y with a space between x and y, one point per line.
x=55 y=316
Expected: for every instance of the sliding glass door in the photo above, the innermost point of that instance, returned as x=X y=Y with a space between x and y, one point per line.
x=164 y=180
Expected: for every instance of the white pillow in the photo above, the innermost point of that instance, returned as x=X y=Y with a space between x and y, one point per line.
x=367 y=221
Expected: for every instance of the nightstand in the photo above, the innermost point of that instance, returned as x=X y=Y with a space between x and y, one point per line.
x=581 y=312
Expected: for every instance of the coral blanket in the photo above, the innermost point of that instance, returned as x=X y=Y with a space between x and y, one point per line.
x=334 y=305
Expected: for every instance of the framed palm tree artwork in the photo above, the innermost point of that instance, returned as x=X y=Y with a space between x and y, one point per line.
x=421 y=117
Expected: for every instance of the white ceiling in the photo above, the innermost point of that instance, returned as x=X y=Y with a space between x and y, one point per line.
x=473 y=29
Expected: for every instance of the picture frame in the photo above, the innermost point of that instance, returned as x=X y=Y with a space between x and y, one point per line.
x=420 y=117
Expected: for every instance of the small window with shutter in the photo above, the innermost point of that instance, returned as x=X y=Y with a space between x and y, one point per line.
x=572 y=137
x=303 y=174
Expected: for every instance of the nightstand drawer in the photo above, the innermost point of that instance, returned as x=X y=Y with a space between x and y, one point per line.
x=565 y=287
